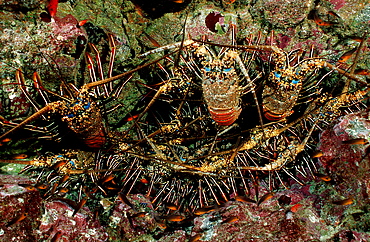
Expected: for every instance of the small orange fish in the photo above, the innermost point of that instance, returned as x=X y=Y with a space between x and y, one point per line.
x=359 y=141
x=79 y=206
x=111 y=188
x=357 y=39
x=145 y=181
x=345 y=57
x=132 y=117
x=82 y=22
x=139 y=10
x=178 y=1
x=323 y=177
x=195 y=237
x=17 y=219
x=20 y=156
x=41 y=186
x=59 y=164
x=56 y=236
x=244 y=199
x=52 y=7
x=63 y=190
x=231 y=219
x=265 y=197
x=6 y=140
x=171 y=206
x=347 y=201
x=296 y=207
x=230 y=2
x=63 y=179
x=139 y=215
x=175 y=218
x=28 y=187
x=321 y=22
x=204 y=210
x=124 y=199
x=108 y=178
x=162 y=225
x=362 y=72
x=317 y=153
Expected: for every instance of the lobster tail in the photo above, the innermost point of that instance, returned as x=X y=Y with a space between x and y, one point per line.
x=96 y=140
x=224 y=116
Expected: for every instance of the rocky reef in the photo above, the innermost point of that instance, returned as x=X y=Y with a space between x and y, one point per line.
x=330 y=204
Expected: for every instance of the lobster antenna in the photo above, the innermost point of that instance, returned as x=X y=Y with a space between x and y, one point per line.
x=353 y=67
x=29 y=119
x=177 y=60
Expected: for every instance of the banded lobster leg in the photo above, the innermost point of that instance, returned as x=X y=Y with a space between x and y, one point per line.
x=73 y=168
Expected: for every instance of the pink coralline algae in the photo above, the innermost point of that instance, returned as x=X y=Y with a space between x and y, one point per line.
x=283 y=41
x=347 y=161
x=275 y=12
x=130 y=223
x=15 y=103
x=58 y=219
x=215 y=25
x=42 y=220
x=65 y=32
x=17 y=202
x=338 y=4
x=272 y=220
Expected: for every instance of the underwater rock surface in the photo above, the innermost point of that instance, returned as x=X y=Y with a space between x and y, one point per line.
x=334 y=207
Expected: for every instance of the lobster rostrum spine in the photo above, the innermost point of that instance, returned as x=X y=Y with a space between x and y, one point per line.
x=220 y=84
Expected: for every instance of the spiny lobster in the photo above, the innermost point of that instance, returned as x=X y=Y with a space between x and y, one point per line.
x=285 y=82
x=79 y=110
x=220 y=78
x=221 y=81
x=57 y=173
x=220 y=84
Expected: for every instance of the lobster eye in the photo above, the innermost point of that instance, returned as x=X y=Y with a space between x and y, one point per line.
x=277 y=74
x=87 y=106
x=227 y=69
x=295 y=81
x=207 y=69
x=72 y=163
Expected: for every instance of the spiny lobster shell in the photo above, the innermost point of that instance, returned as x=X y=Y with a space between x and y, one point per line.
x=220 y=85
x=84 y=118
x=278 y=100
x=223 y=102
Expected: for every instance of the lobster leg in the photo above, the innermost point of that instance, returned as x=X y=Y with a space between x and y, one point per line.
x=287 y=156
